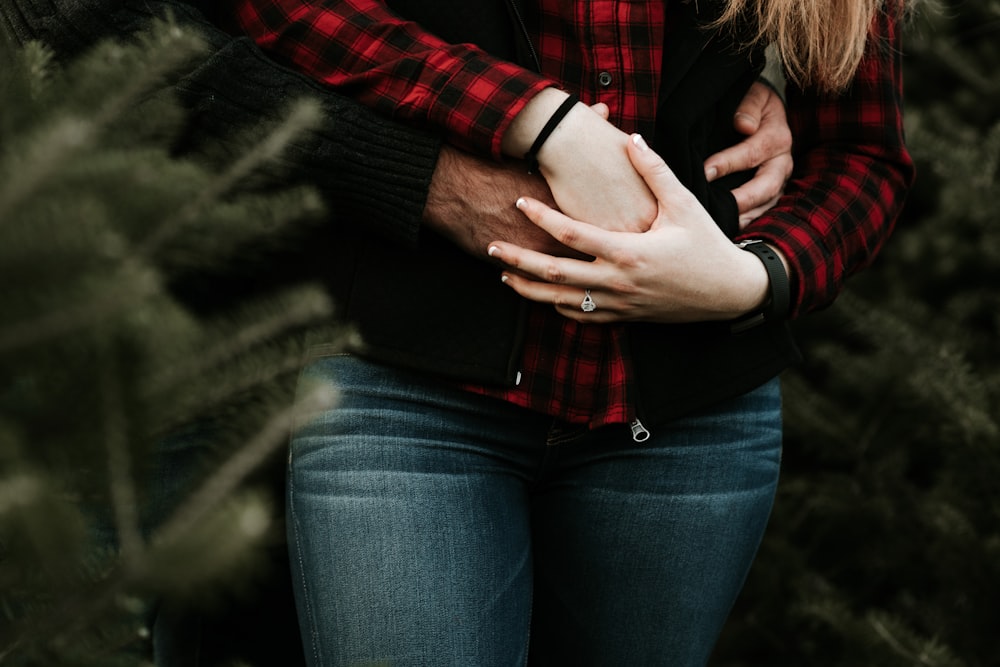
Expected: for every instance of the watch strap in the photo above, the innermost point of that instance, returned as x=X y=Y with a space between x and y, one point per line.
x=778 y=303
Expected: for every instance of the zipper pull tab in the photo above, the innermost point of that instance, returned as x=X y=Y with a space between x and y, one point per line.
x=639 y=432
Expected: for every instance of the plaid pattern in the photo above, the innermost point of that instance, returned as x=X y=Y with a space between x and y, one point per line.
x=851 y=165
x=579 y=372
x=394 y=66
x=623 y=40
x=852 y=171
x=576 y=372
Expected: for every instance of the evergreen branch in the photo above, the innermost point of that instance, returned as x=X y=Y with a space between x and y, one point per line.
x=63 y=621
x=123 y=496
x=943 y=378
x=171 y=49
x=874 y=424
x=53 y=146
x=305 y=115
x=38 y=60
x=224 y=481
x=187 y=408
x=307 y=309
x=127 y=291
x=963 y=67
x=69 y=617
x=17 y=491
x=47 y=152
x=897 y=646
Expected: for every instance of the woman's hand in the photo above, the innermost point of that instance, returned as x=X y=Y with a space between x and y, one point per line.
x=585 y=163
x=586 y=166
x=683 y=269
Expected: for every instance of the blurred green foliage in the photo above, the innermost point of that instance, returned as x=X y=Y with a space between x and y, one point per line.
x=100 y=359
x=884 y=548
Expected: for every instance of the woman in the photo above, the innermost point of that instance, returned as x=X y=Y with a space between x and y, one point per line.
x=502 y=481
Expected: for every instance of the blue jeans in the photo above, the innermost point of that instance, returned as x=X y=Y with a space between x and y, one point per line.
x=431 y=526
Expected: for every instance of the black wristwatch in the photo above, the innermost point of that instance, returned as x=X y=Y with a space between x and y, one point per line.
x=777 y=305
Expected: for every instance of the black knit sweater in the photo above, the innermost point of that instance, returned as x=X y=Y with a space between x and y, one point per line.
x=360 y=162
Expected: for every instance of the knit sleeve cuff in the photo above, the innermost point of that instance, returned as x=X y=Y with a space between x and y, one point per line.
x=368 y=168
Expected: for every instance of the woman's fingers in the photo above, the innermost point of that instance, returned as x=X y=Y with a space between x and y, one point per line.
x=659 y=178
x=568 y=300
x=580 y=236
x=547 y=268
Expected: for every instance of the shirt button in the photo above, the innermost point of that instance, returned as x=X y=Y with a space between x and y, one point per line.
x=604 y=78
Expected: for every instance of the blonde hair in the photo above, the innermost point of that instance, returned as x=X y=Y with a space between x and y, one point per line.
x=821 y=42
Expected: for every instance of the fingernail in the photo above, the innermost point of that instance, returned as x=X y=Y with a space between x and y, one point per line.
x=746 y=118
x=504 y=278
x=520 y=203
x=492 y=250
x=711 y=173
x=639 y=142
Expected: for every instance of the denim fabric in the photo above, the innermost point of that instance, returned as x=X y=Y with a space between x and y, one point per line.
x=430 y=526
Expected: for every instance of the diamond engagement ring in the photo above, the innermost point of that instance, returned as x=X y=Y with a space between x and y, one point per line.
x=588 y=305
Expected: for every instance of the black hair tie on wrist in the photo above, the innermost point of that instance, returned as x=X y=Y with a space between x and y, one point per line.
x=532 y=155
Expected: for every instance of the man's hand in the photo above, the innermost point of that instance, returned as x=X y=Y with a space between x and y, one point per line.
x=471 y=202
x=768 y=148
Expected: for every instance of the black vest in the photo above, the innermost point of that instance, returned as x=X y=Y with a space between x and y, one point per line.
x=441 y=311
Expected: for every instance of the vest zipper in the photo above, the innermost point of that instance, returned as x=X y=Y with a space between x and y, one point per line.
x=524 y=33
x=639 y=432
x=523 y=314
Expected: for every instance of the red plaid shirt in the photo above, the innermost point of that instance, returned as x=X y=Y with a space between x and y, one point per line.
x=837 y=211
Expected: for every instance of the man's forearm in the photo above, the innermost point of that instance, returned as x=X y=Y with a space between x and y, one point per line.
x=471 y=202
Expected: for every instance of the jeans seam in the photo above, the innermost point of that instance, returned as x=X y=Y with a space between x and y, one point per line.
x=314 y=646
x=527 y=632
